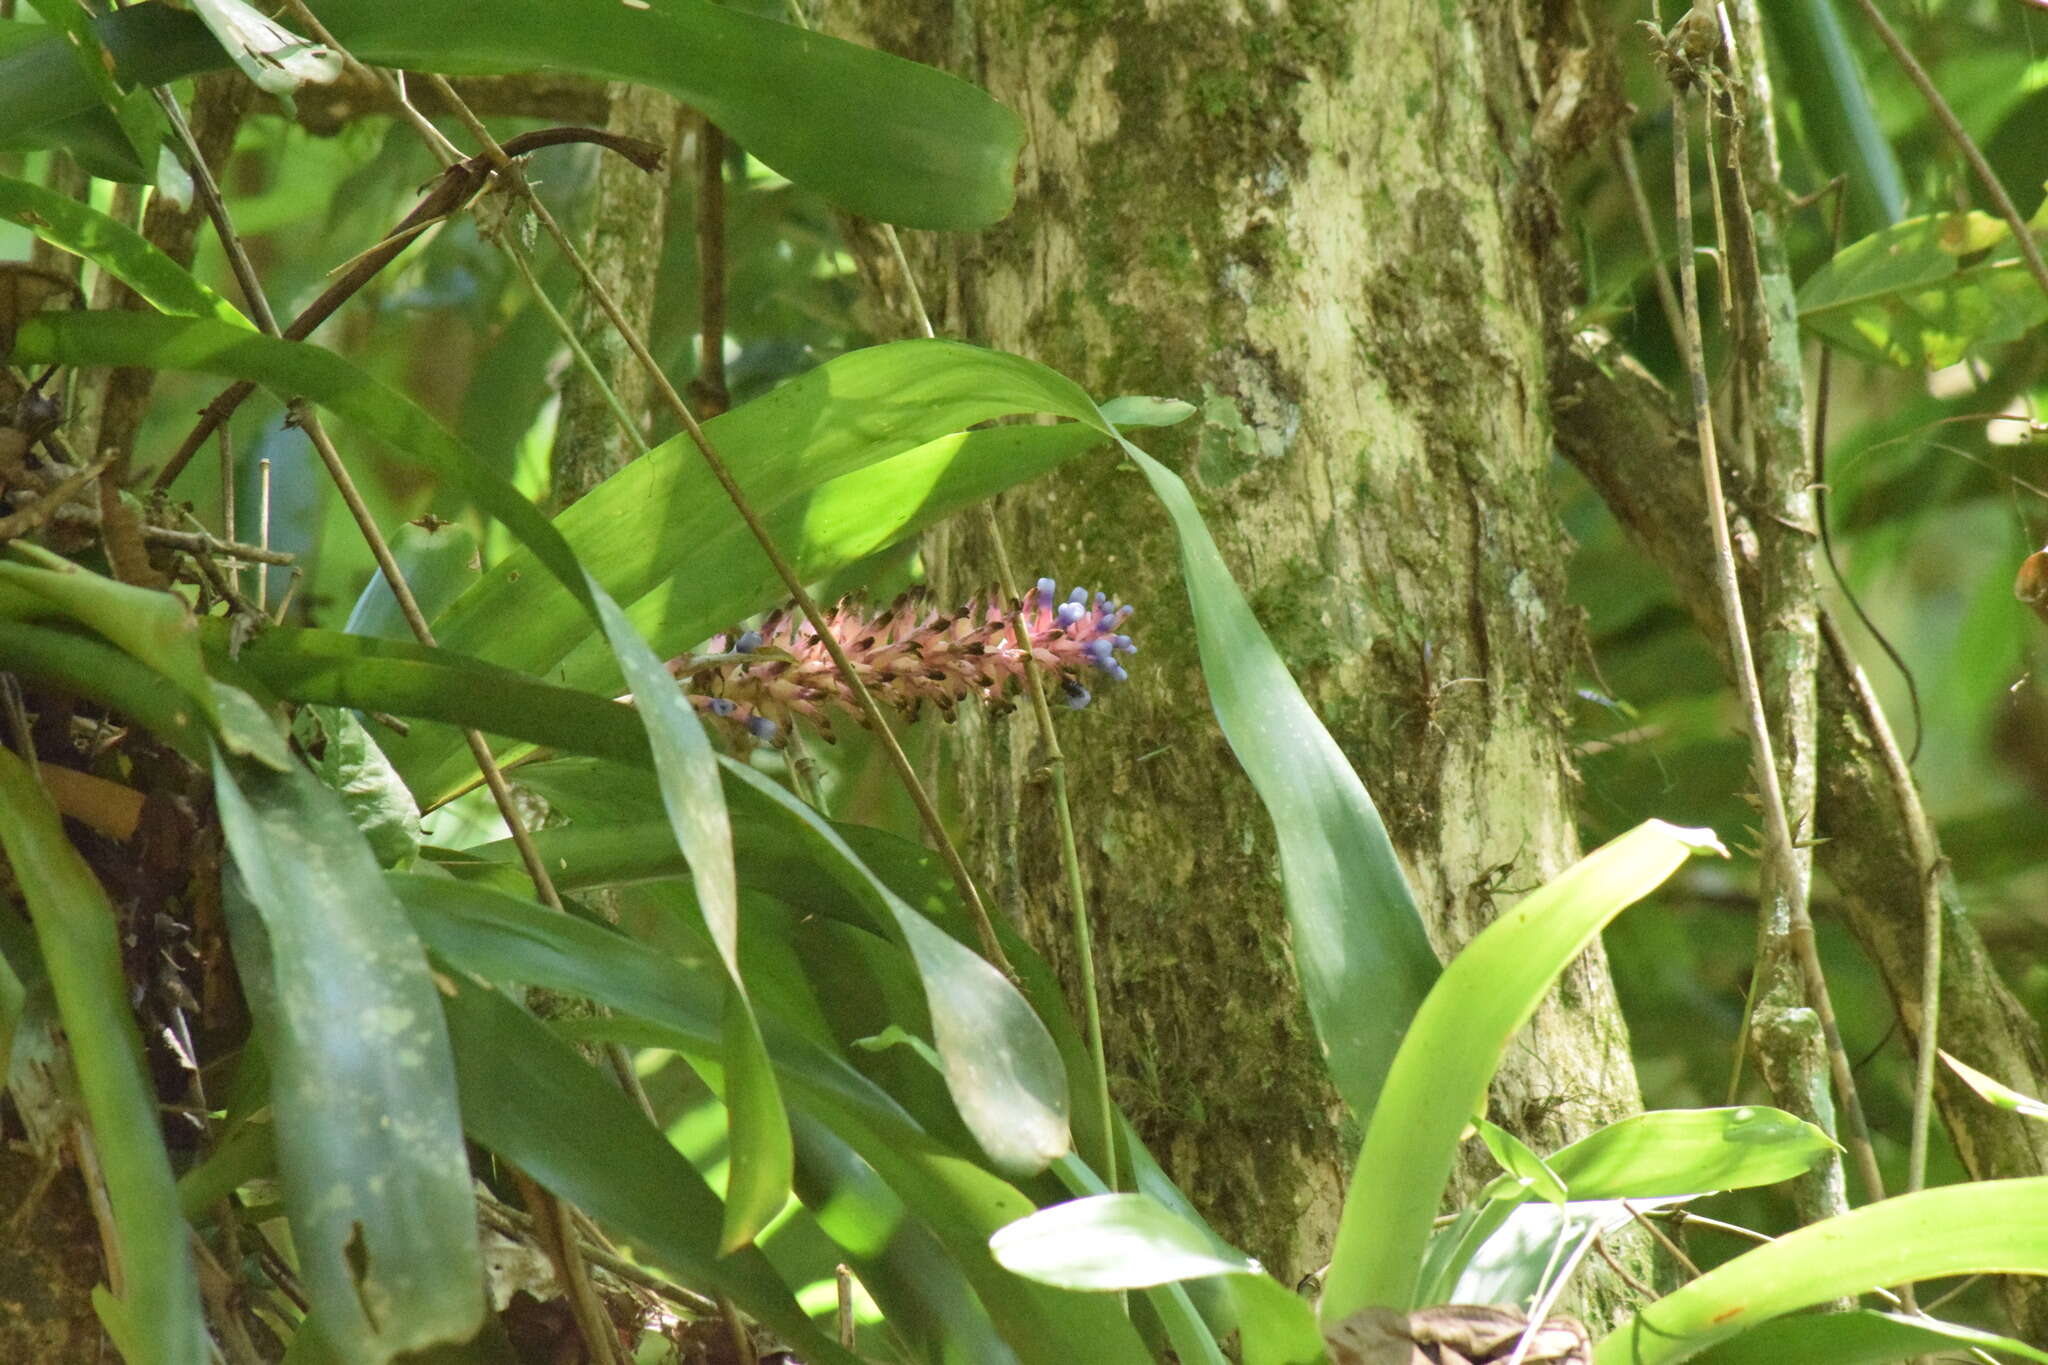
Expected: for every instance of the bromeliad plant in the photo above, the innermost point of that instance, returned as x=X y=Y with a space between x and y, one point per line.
x=884 y=1086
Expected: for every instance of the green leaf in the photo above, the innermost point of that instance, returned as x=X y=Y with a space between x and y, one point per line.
x=674 y=1003
x=157 y=629
x=1997 y=1092
x=528 y=1097
x=116 y=248
x=691 y=793
x=348 y=760
x=1859 y=1337
x=1001 y=1066
x=416 y=681
x=75 y=929
x=1359 y=948
x=1689 y=1151
x=369 y=1141
x=880 y=136
x=140 y=121
x=1528 y=1176
x=1452 y=1049
x=1114 y=1242
x=1109 y=1242
x=1990 y=1227
x=88 y=667
x=1903 y=297
x=438 y=558
x=1818 y=66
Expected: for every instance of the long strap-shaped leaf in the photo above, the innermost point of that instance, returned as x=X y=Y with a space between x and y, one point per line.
x=115 y=247
x=1453 y=1047
x=74 y=927
x=528 y=1097
x=1987 y=1228
x=665 y=1003
x=369 y=1139
x=884 y=137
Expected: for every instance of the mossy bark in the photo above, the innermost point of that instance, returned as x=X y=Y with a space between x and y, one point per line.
x=1321 y=224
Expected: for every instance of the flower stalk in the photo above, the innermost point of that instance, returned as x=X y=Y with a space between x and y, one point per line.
x=910 y=656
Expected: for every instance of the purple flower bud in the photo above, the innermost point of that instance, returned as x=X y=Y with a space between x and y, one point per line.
x=1079 y=595
x=1070 y=613
x=747 y=643
x=721 y=706
x=1098 y=650
x=1117 y=671
x=1077 y=696
x=763 y=729
x=1047 y=591
x=1126 y=645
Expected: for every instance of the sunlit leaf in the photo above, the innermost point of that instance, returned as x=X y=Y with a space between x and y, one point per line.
x=276 y=59
x=1904 y=295
x=1113 y=1241
x=115 y=247
x=1454 y=1046
x=687 y=770
x=1997 y=1092
x=1989 y=1227
x=1858 y=1337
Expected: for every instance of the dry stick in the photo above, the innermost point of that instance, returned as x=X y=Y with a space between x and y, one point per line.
x=1747 y=684
x=460 y=183
x=556 y=1234
x=263 y=532
x=794 y=585
x=1946 y=117
x=1646 y=223
x=229 y=529
x=709 y=386
x=1921 y=841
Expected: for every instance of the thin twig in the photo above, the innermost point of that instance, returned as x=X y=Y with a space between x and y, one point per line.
x=552 y=1229
x=708 y=388
x=1781 y=842
x=1946 y=117
x=1646 y=224
x=1823 y=386
x=792 y=582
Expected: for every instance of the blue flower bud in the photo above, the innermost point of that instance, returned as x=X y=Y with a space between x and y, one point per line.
x=1077 y=696
x=1047 y=591
x=1070 y=613
x=1078 y=595
x=1117 y=671
x=763 y=728
x=1126 y=645
x=721 y=706
x=747 y=643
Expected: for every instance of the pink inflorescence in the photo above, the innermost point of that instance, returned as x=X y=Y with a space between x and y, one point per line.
x=908 y=655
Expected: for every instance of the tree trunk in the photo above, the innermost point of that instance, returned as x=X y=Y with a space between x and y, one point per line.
x=1322 y=225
